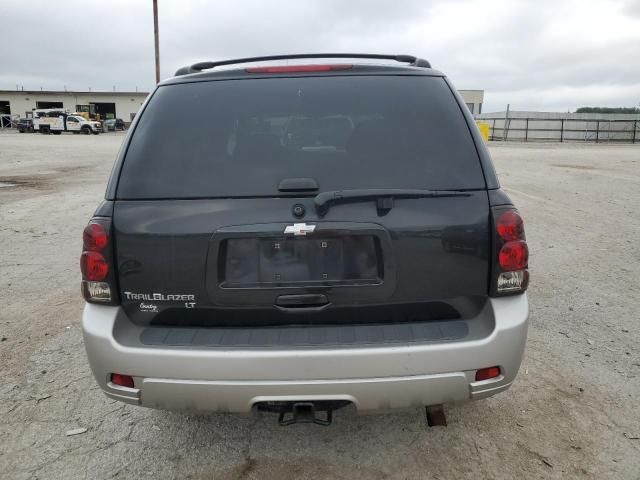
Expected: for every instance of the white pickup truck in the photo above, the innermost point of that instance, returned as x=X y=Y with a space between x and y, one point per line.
x=57 y=121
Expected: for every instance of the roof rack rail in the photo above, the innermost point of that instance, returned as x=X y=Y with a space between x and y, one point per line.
x=199 y=67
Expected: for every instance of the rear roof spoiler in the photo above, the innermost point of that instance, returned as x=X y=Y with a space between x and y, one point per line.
x=199 y=67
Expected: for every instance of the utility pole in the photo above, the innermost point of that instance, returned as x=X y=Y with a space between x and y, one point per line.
x=156 y=41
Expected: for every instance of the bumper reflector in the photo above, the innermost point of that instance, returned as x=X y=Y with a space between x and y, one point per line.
x=487 y=373
x=122 y=380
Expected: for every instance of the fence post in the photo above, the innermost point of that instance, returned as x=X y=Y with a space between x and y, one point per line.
x=597 y=131
x=493 y=129
x=526 y=131
x=505 y=131
x=635 y=127
x=561 y=130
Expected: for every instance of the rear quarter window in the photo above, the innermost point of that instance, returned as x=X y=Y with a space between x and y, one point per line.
x=240 y=138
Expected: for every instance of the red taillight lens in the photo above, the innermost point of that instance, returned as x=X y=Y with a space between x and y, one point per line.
x=96 y=263
x=122 y=380
x=513 y=256
x=94 y=266
x=95 y=237
x=509 y=274
x=510 y=226
x=487 y=373
x=299 y=68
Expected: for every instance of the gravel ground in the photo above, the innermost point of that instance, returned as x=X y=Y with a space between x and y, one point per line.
x=572 y=413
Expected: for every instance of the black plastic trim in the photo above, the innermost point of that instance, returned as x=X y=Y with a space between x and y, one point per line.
x=105 y=209
x=498 y=197
x=306 y=336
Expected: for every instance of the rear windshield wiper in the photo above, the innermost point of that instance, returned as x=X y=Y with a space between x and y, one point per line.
x=383 y=196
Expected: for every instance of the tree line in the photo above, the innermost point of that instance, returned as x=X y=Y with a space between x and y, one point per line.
x=608 y=110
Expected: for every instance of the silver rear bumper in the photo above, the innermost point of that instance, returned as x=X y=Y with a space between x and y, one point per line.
x=373 y=377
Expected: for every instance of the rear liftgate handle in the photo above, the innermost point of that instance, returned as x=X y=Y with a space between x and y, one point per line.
x=304 y=303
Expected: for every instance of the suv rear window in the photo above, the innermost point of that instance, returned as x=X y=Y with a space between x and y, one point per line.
x=240 y=138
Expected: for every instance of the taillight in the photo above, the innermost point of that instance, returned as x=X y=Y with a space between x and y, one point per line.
x=509 y=225
x=95 y=262
x=299 y=68
x=93 y=265
x=94 y=237
x=511 y=253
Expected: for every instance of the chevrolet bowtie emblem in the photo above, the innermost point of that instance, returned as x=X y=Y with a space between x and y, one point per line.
x=299 y=229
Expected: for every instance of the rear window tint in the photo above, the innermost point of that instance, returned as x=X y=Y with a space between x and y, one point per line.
x=239 y=138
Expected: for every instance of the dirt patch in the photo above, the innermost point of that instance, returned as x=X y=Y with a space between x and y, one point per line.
x=576 y=167
x=20 y=182
x=42 y=181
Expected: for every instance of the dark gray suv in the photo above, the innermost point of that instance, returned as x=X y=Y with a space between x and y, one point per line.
x=316 y=235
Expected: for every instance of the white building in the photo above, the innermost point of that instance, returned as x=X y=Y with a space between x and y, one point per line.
x=473 y=99
x=124 y=105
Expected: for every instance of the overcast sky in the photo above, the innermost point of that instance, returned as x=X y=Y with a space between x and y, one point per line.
x=537 y=55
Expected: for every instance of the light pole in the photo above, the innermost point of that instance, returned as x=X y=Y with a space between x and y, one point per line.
x=156 y=41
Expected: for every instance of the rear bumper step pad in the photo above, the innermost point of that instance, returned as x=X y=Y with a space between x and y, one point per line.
x=346 y=335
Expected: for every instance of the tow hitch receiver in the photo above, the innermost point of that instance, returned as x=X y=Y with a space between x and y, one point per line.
x=304 y=412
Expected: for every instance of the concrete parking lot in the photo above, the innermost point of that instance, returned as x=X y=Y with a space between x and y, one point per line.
x=572 y=413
